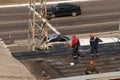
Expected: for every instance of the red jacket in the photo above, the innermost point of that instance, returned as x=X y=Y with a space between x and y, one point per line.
x=74 y=41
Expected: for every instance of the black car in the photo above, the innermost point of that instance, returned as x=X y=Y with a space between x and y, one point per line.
x=64 y=9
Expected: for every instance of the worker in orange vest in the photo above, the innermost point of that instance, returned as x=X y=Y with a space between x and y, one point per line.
x=94 y=44
x=91 y=69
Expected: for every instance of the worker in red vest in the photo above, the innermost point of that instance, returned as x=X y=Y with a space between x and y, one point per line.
x=75 y=43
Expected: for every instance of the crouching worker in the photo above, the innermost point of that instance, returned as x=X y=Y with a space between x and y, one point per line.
x=91 y=69
x=75 y=45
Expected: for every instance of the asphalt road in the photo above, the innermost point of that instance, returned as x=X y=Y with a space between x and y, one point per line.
x=97 y=16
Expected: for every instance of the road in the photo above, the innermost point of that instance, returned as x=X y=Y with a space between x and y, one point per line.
x=97 y=16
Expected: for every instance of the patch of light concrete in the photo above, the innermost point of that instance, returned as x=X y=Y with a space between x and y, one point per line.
x=105 y=40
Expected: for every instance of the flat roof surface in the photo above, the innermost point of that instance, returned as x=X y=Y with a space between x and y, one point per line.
x=108 y=75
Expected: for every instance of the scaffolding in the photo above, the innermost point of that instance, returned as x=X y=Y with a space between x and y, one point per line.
x=36 y=25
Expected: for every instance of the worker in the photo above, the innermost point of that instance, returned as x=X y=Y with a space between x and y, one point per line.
x=75 y=43
x=91 y=69
x=94 y=44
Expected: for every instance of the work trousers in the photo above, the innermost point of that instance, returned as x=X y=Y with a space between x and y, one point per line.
x=94 y=50
x=75 y=53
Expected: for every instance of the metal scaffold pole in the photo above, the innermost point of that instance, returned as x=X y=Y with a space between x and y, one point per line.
x=119 y=33
x=31 y=27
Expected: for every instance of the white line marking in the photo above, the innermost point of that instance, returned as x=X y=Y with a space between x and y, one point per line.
x=48 y=3
x=13 y=22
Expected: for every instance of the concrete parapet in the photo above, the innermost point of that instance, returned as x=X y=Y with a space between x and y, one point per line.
x=10 y=68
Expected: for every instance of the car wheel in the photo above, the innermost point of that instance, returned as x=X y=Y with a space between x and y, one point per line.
x=49 y=47
x=53 y=15
x=74 y=14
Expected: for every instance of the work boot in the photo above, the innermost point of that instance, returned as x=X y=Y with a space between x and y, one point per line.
x=76 y=61
x=97 y=55
x=92 y=55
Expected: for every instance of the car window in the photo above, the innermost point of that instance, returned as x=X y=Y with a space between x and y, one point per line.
x=56 y=8
x=67 y=6
x=57 y=38
x=61 y=6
